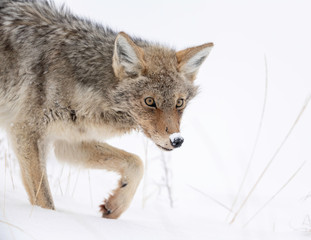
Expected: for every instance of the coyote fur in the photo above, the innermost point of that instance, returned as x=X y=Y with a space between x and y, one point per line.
x=70 y=84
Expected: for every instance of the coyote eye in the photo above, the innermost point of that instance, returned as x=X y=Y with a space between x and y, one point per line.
x=180 y=103
x=150 y=102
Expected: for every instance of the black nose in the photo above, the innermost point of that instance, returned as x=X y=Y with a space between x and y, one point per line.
x=177 y=142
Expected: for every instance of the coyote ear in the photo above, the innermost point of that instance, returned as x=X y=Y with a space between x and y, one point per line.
x=127 y=57
x=190 y=59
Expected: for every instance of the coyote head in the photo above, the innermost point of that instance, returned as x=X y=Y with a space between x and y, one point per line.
x=155 y=85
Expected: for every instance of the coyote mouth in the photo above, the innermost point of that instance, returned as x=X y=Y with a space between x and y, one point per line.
x=163 y=148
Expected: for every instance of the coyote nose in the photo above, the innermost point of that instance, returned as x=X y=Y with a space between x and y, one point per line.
x=176 y=140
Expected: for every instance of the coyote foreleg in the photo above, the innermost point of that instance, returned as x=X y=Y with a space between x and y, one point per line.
x=103 y=156
x=30 y=152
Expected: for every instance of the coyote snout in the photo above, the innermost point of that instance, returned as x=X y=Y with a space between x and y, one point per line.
x=175 y=141
x=163 y=127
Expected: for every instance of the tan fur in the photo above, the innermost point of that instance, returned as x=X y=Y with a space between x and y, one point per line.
x=68 y=83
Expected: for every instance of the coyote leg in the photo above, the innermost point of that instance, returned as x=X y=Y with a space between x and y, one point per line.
x=30 y=154
x=103 y=156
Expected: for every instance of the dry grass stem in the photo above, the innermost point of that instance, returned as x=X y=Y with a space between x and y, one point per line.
x=272 y=159
x=11 y=174
x=59 y=177
x=210 y=197
x=4 y=193
x=90 y=187
x=167 y=183
x=145 y=196
x=60 y=188
x=68 y=181
x=76 y=182
x=36 y=196
x=17 y=227
x=256 y=139
x=267 y=202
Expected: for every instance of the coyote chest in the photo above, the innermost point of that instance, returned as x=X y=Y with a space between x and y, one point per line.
x=81 y=132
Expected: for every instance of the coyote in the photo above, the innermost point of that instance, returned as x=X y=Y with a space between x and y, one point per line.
x=70 y=84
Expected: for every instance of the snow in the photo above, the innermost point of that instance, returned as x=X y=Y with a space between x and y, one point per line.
x=201 y=179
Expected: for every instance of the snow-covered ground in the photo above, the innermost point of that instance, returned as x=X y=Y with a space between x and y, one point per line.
x=193 y=198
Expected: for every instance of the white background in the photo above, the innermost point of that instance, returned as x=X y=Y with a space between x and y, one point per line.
x=219 y=128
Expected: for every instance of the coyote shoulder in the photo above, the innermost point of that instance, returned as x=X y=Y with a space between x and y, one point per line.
x=69 y=83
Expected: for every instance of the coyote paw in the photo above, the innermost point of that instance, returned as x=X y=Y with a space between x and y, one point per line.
x=105 y=211
x=117 y=203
